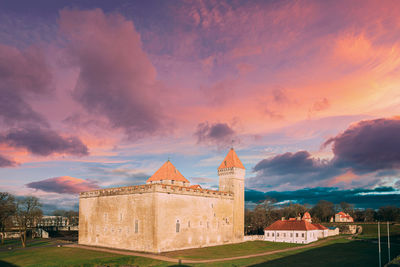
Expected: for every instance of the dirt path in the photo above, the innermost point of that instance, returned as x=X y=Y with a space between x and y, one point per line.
x=174 y=260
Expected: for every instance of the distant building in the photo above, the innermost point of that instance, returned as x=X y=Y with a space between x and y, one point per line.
x=307 y=217
x=296 y=230
x=53 y=221
x=291 y=231
x=342 y=217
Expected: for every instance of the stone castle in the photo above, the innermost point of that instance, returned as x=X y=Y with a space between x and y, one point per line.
x=167 y=213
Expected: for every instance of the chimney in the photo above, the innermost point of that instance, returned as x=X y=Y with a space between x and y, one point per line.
x=283 y=218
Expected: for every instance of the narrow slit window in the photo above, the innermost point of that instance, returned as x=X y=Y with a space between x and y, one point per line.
x=177 y=226
x=136 y=226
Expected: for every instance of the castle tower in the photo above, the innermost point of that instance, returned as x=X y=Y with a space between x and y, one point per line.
x=231 y=174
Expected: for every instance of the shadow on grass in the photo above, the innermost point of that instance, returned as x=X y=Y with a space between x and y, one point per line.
x=6 y=264
x=348 y=253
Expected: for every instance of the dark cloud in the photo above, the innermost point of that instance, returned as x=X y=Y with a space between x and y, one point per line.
x=5 y=162
x=291 y=168
x=217 y=133
x=360 y=197
x=64 y=185
x=43 y=142
x=116 y=79
x=371 y=147
x=23 y=74
x=368 y=145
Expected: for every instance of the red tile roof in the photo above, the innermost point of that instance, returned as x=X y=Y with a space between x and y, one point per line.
x=298 y=225
x=319 y=226
x=167 y=172
x=195 y=186
x=231 y=160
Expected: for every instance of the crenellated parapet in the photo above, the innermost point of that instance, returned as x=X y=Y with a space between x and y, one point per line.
x=156 y=188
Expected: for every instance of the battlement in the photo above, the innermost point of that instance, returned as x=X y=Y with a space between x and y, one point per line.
x=156 y=188
x=231 y=171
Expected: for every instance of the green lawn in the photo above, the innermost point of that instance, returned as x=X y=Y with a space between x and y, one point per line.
x=55 y=256
x=16 y=243
x=370 y=231
x=334 y=253
x=231 y=250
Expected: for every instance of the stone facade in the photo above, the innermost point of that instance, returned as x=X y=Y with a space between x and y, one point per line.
x=163 y=215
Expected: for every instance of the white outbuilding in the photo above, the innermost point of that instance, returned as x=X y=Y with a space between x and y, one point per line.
x=292 y=231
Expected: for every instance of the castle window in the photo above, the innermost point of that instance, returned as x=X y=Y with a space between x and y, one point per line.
x=105 y=217
x=177 y=226
x=120 y=217
x=136 y=226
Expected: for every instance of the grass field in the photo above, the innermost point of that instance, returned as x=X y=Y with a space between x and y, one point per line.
x=55 y=256
x=226 y=251
x=344 y=251
x=16 y=243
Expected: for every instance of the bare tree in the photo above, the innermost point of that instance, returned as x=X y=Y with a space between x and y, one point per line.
x=28 y=215
x=7 y=209
x=73 y=217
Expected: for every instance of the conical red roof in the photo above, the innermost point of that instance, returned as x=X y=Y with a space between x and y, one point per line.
x=231 y=160
x=167 y=172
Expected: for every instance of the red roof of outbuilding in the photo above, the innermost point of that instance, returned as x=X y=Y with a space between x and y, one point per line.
x=319 y=226
x=292 y=225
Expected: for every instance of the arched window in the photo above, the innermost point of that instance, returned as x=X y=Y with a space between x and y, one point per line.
x=177 y=226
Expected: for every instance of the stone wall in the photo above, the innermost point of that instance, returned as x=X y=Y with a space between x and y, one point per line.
x=155 y=218
x=253 y=238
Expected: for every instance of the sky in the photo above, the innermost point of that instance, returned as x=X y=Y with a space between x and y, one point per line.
x=98 y=94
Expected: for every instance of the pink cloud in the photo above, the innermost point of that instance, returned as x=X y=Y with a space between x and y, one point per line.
x=116 y=79
x=64 y=185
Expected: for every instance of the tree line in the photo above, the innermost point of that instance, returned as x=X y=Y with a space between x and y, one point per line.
x=267 y=212
x=24 y=213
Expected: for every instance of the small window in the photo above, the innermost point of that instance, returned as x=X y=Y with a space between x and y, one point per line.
x=291 y=234
x=177 y=226
x=267 y=234
x=272 y=234
x=297 y=234
x=302 y=235
x=284 y=234
x=120 y=217
x=136 y=226
x=172 y=182
x=277 y=234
